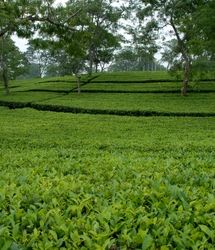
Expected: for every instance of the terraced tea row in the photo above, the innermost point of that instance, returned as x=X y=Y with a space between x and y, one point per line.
x=195 y=103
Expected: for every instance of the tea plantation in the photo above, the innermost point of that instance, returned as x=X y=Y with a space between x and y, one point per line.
x=83 y=181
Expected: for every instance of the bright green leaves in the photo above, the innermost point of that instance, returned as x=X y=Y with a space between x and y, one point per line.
x=94 y=182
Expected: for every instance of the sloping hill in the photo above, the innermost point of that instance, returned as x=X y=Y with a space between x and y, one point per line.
x=127 y=98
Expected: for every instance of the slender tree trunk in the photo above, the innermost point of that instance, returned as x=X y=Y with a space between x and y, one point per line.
x=5 y=79
x=186 y=78
x=40 y=69
x=186 y=59
x=91 y=67
x=97 y=67
x=4 y=68
x=90 y=62
x=78 y=77
x=102 y=65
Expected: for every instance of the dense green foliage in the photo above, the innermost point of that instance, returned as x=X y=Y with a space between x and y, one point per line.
x=14 y=60
x=103 y=182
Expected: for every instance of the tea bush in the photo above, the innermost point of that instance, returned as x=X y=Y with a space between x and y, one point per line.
x=106 y=182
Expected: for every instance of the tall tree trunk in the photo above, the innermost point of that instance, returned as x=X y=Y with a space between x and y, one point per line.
x=96 y=67
x=78 y=77
x=5 y=79
x=4 y=68
x=91 y=67
x=186 y=59
x=90 y=62
x=102 y=65
x=40 y=69
x=186 y=78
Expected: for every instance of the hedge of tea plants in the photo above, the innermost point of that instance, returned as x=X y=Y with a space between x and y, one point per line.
x=105 y=182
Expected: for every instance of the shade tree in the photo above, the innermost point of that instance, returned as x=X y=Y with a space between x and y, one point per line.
x=24 y=18
x=178 y=19
x=13 y=62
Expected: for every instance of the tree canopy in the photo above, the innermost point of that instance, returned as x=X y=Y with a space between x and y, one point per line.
x=83 y=36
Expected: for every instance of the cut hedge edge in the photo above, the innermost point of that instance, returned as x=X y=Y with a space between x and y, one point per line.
x=75 y=110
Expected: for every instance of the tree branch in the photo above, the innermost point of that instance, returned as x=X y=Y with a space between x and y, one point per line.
x=180 y=41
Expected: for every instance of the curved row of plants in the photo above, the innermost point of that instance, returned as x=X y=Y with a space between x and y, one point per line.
x=76 y=110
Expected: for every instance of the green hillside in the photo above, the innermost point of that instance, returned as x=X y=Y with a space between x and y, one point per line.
x=97 y=93
x=107 y=182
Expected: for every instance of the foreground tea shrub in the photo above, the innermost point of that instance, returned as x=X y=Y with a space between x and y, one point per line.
x=102 y=182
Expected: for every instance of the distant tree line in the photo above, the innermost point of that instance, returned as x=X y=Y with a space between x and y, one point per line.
x=128 y=59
